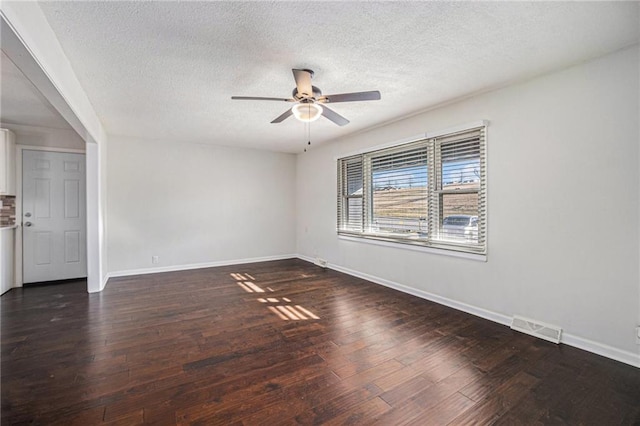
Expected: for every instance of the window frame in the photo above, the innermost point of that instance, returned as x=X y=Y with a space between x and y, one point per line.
x=432 y=242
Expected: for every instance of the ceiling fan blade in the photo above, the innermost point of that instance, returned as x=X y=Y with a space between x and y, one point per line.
x=288 y=113
x=373 y=95
x=334 y=116
x=254 y=98
x=303 y=82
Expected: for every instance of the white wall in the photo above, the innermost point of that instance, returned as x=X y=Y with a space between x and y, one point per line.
x=95 y=250
x=194 y=204
x=29 y=41
x=102 y=225
x=563 y=189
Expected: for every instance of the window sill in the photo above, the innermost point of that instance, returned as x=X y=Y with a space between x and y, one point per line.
x=414 y=247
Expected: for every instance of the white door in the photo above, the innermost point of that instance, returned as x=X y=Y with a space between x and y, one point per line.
x=53 y=216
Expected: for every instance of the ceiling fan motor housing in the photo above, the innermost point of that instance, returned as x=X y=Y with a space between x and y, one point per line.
x=302 y=96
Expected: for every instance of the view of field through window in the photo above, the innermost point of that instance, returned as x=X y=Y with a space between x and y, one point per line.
x=400 y=191
x=399 y=184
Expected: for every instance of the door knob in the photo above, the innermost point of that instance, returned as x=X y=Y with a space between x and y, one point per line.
x=27 y=224
x=27 y=214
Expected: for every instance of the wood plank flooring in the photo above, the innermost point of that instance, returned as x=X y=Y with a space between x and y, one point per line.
x=240 y=345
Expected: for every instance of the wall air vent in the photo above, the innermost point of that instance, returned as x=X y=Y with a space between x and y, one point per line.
x=535 y=328
x=321 y=262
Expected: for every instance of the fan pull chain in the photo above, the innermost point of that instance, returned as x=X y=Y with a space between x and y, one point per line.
x=308 y=129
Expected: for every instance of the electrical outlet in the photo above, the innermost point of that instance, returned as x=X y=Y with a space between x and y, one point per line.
x=154 y=259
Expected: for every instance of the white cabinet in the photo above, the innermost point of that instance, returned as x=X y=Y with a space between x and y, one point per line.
x=7 y=162
x=7 y=250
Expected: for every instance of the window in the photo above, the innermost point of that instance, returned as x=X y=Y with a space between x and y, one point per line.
x=430 y=192
x=352 y=205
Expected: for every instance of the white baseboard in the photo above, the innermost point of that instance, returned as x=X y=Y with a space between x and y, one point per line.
x=173 y=268
x=601 y=349
x=598 y=348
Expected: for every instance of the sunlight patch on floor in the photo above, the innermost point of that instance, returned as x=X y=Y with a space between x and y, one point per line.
x=245 y=288
x=253 y=287
x=284 y=312
x=307 y=312
x=277 y=312
x=238 y=277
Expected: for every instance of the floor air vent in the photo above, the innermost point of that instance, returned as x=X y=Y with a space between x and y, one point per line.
x=536 y=328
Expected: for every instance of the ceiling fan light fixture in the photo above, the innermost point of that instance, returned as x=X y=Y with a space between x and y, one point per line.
x=307 y=112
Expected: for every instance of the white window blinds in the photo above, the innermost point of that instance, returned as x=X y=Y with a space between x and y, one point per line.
x=351 y=189
x=430 y=192
x=459 y=198
x=399 y=190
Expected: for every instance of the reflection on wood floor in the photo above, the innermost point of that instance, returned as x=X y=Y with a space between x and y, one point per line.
x=286 y=342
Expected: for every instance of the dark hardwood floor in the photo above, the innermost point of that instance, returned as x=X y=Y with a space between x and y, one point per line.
x=240 y=345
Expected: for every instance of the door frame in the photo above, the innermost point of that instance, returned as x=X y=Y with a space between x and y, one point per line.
x=18 y=253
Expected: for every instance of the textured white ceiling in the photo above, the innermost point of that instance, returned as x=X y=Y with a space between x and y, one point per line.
x=168 y=69
x=21 y=102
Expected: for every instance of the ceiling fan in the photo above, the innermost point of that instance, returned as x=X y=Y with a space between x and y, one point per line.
x=310 y=103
